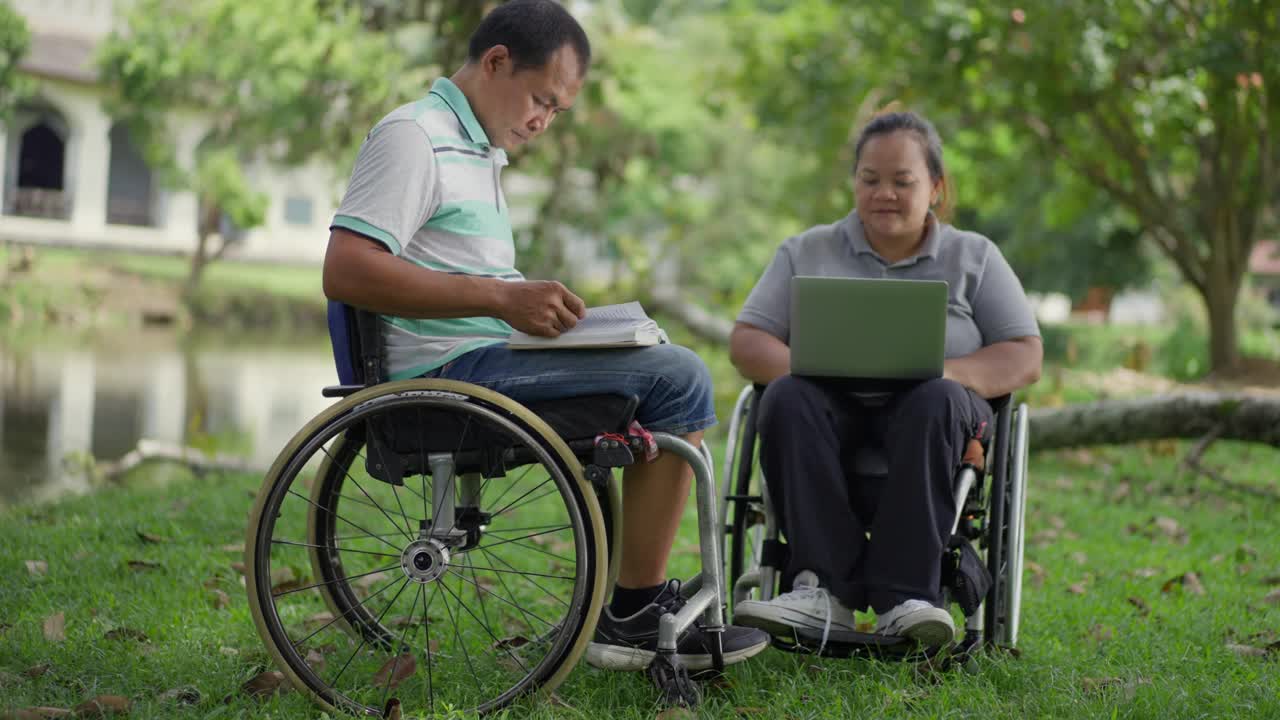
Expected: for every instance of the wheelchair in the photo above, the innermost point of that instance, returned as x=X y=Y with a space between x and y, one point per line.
x=990 y=511
x=433 y=545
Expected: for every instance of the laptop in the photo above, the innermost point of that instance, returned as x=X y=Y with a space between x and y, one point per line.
x=887 y=333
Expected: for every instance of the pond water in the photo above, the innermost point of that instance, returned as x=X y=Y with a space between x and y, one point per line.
x=60 y=401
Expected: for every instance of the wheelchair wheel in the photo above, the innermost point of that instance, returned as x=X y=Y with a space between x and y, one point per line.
x=428 y=541
x=744 y=527
x=1005 y=531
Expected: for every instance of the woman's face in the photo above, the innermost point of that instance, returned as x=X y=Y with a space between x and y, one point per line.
x=892 y=187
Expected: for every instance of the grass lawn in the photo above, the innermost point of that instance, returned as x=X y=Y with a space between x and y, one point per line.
x=1104 y=632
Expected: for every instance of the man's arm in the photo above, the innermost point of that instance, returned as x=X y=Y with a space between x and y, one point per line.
x=758 y=355
x=1000 y=368
x=363 y=273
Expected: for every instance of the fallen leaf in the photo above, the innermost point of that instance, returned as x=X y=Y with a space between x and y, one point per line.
x=151 y=538
x=127 y=634
x=1101 y=633
x=1168 y=526
x=320 y=618
x=511 y=643
x=315 y=660
x=139 y=565
x=37 y=567
x=1244 y=569
x=55 y=627
x=220 y=599
x=36 y=671
x=1077 y=589
x=103 y=706
x=228 y=651
x=1146 y=572
x=394 y=671
x=1246 y=650
x=1273 y=597
x=1272 y=580
x=182 y=696
x=1079 y=558
x=283 y=575
x=368 y=581
x=1140 y=604
x=238 y=567
x=1189 y=582
x=265 y=684
x=234 y=548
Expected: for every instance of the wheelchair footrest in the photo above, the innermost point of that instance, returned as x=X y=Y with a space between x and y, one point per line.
x=848 y=643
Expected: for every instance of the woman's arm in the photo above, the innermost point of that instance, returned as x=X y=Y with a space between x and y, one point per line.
x=759 y=356
x=998 y=369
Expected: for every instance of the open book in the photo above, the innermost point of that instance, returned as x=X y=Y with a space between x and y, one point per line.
x=607 y=326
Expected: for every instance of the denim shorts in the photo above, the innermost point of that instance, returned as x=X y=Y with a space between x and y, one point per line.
x=673 y=384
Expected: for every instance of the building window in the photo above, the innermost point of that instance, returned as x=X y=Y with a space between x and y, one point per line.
x=297 y=210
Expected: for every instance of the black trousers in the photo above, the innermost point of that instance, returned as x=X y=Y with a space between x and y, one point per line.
x=808 y=434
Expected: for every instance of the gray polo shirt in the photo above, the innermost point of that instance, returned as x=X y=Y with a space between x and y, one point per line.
x=985 y=303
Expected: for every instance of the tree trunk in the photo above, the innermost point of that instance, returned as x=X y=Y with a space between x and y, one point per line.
x=1233 y=416
x=206 y=226
x=1221 y=295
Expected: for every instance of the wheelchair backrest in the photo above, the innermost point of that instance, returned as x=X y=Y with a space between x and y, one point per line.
x=356 y=340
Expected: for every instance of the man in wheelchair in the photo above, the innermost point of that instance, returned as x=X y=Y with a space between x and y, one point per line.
x=423 y=238
x=855 y=544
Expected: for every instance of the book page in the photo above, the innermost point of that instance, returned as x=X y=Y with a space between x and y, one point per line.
x=606 y=318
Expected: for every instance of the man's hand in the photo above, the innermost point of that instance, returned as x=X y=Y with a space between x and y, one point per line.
x=540 y=307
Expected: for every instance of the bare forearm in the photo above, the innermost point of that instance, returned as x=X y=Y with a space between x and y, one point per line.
x=998 y=369
x=759 y=356
x=364 y=275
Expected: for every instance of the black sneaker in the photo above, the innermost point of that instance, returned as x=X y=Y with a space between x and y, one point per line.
x=630 y=643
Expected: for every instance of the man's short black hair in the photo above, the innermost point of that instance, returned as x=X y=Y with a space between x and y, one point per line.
x=531 y=30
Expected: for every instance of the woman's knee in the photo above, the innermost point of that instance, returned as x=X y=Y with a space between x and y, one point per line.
x=934 y=397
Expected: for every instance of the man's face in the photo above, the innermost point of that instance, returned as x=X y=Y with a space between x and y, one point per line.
x=520 y=105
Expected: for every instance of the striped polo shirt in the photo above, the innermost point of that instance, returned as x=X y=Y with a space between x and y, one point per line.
x=425 y=184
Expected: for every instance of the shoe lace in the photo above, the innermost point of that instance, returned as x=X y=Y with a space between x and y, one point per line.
x=810 y=592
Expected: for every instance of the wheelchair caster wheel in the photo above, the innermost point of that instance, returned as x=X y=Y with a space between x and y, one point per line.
x=672 y=679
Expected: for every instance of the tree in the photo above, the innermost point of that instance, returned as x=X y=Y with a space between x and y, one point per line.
x=1166 y=109
x=275 y=80
x=14 y=42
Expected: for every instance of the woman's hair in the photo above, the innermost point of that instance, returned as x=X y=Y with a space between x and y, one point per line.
x=923 y=131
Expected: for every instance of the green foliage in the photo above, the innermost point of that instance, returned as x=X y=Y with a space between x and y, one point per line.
x=278 y=81
x=14 y=42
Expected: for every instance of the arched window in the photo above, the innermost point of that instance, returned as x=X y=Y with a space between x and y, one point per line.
x=130 y=186
x=36 y=178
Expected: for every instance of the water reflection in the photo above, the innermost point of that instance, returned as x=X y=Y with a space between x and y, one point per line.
x=58 y=404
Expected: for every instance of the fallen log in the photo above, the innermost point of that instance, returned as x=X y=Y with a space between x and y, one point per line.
x=155 y=451
x=1190 y=415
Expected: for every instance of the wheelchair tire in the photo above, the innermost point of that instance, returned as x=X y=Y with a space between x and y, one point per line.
x=743 y=531
x=1005 y=543
x=501 y=604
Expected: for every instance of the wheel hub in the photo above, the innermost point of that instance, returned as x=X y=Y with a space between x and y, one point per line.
x=425 y=560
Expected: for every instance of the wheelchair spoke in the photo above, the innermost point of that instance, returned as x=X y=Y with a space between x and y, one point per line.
x=348 y=615
x=363 y=639
x=324 y=547
x=533 y=582
x=510 y=485
x=497 y=642
x=426 y=627
x=522 y=497
x=475 y=677
x=331 y=582
x=527 y=529
x=503 y=581
x=395 y=664
x=499 y=597
x=535 y=548
x=340 y=517
x=408 y=536
x=473 y=568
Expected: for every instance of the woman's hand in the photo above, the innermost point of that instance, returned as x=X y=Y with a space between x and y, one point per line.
x=998 y=369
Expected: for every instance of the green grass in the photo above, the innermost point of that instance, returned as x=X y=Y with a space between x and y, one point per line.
x=1115 y=523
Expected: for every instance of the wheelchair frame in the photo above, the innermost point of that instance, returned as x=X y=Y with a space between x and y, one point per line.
x=453 y=523
x=1001 y=509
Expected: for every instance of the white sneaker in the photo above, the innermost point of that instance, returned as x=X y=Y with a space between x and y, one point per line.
x=920 y=621
x=806 y=606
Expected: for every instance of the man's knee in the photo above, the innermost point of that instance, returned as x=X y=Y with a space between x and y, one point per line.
x=784 y=398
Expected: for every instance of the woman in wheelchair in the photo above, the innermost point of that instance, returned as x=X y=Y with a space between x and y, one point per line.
x=853 y=545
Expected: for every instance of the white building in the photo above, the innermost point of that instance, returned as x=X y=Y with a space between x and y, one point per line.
x=73 y=176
